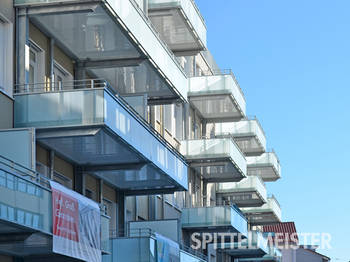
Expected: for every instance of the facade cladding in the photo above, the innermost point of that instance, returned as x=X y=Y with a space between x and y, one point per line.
x=121 y=138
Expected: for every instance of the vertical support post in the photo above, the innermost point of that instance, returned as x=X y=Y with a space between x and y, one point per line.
x=205 y=193
x=52 y=58
x=22 y=47
x=79 y=180
x=163 y=207
x=100 y=191
x=121 y=218
x=145 y=7
x=151 y=207
x=186 y=117
x=194 y=67
x=204 y=128
x=136 y=208
x=162 y=119
x=52 y=163
x=79 y=75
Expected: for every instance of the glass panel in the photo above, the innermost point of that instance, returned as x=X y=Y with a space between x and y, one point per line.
x=20 y=216
x=36 y=221
x=3 y=211
x=10 y=181
x=22 y=186
x=2 y=178
x=11 y=213
x=214 y=217
x=28 y=219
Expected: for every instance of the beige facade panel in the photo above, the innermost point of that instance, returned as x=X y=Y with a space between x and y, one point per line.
x=42 y=155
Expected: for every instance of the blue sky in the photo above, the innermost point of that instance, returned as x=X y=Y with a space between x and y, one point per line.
x=292 y=60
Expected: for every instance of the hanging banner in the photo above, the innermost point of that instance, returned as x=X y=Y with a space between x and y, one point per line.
x=75 y=224
x=167 y=250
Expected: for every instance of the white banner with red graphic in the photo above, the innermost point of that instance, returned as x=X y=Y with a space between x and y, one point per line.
x=76 y=225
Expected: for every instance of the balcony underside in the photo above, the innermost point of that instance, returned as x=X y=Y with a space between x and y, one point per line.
x=217 y=107
x=263 y=217
x=245 y=197
x=16 y=241
x=93 y=35
x=176 y=30
x=217 y=170
x=105 y=155
x=233 y=250
x=267 y=172
x=249 y=145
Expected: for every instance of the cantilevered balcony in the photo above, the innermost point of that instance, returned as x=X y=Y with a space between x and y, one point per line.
x=218 y=98
x=217 y=159
x=26 y=212
x=110 y=39
x=145 y=245
x=216 y=219
x=98 y=131
x=267 y=166
x=254 y=246
x=180 y=24
x=269 y=213
x=248 y=135
x=249 y=192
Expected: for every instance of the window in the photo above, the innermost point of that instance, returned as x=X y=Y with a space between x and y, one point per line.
x=36 y=72
x=61 y=76
x=89 y=194
x=6 y=57
x=65 y=181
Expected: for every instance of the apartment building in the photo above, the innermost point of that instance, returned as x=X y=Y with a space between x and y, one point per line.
x=119 y=108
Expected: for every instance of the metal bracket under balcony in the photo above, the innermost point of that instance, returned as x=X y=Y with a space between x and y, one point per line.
x=179 y=23
x=250 y=192
x=218 y=98
x=104 y=136
x=217 y=160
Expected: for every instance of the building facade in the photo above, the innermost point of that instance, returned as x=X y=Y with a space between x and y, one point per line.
x=122 y=104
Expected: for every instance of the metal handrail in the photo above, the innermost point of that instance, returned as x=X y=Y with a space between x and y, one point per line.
x=95 y=84
x=194 y=252
x=25 y=172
